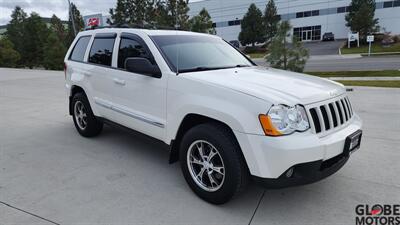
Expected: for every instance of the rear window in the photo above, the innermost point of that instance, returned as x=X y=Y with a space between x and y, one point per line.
x=78 y=53
x=102 y=50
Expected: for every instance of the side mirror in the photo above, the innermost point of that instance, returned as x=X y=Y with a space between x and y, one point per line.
x=142 y=66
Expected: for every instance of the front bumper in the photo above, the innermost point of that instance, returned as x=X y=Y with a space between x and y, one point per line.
x=269 y=158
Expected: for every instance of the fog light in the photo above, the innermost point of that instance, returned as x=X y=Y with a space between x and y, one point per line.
x=289 y=173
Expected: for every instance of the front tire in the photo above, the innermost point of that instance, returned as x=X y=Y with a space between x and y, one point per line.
x=85 y=121
x=212 y=163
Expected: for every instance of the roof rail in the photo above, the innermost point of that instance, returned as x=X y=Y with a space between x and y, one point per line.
x=145 y=25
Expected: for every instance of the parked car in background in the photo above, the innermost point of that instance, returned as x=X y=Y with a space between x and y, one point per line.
x=224 y=118
x=235 y=43
x=329 y=36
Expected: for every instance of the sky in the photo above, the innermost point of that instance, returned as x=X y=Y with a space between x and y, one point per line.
x=46 y=8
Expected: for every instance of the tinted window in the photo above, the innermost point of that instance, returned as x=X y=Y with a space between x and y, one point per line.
x=101 y=52
x=396 y=3
x=131 y=48
x=315 y=13
x=307 y=14
x=193 y=52
x=388 y=4
x=78 y=53
x=341 y=10
x=299 y=15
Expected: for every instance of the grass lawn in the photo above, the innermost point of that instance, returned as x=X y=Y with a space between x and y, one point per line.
x=378 y=83
x=256 y=55
x=380 y=73
x=375 y=48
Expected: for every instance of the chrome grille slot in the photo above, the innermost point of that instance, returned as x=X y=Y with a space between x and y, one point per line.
x=330 y=115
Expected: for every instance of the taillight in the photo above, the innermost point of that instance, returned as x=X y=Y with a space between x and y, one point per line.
x=65 y=70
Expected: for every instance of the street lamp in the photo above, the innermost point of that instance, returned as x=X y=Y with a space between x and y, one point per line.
x=72 y=16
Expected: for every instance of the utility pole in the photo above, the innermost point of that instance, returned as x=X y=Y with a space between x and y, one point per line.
x=72 y=16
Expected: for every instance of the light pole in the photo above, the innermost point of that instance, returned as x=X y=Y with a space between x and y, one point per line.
x=72 y=16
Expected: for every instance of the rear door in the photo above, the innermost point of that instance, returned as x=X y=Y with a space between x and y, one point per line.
x=100 y=72
x=139 y=100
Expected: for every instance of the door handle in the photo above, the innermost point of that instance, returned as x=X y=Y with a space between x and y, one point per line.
x=119 y=81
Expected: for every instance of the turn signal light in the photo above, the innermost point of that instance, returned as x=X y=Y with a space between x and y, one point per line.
x=267 y=126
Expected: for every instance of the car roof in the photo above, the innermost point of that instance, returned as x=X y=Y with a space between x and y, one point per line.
x=144 y=31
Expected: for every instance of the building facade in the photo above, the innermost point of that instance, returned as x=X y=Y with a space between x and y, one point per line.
x=310 y=19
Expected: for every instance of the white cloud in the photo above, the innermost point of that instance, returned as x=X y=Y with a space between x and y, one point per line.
x=46 y=8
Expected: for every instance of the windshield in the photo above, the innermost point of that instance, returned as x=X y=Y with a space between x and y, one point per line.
x=190 y=53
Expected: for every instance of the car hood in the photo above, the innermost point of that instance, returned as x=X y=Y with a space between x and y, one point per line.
x=275 y=86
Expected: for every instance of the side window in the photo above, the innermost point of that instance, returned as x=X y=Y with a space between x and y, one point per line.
x=131 y=48
x=102 y=49
x=78 y=53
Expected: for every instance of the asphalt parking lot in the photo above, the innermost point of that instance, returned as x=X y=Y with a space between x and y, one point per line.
x=51 y=175
x=323 y=47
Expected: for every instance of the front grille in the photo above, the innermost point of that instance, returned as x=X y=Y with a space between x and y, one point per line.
x=331 y=115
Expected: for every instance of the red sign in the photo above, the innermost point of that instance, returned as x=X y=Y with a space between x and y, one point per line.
x=93 y=22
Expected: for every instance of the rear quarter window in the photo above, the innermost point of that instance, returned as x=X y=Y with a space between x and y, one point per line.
x=78 y=52
x=102 y=50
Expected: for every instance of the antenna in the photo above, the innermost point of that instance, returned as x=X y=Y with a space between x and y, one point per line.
x=72 y=16
x=176 y=31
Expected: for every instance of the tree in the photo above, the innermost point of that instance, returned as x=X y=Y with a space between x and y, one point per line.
x=8 y=56
x=361 y=17
x=36 y=32
x=177 y=14
x=15 y=29
x=202 y=23
x=58 y=28
x=120 y=15
x=78 y=21
x=271 y=21
x=284 y=57
x=54 y=52
x=252 y=27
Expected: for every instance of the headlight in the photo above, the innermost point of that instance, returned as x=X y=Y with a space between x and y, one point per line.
x=283 y=120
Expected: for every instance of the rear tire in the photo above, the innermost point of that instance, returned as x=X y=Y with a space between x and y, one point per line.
x=85 y=121
x=212 y=163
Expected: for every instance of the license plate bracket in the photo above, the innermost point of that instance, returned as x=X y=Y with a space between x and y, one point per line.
x=353 y=142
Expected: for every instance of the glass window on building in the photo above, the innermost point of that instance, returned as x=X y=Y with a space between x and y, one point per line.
x=300 y=15
x=311 y=33
x=396 y=3
x=341 y=10
x=388 y=4
x=315 y=13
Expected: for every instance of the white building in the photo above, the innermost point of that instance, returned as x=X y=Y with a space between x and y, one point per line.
x=310 y=18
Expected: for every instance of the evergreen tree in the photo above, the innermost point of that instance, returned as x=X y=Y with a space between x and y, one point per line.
x=160 y=14
x=120 y=15
x=54 y=52
x=252 y=27
x=282 y=56
x=177 y=14
x=361 y=17
x=78 y=21
x=8 y=56
x=15 y=30
x=58 y=28
x=271 y=21
x=36 y=32
x=202 y=23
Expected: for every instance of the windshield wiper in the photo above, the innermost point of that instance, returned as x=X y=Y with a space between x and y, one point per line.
x=205 y=68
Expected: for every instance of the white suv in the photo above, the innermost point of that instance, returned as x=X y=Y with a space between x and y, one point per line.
x=224 y=118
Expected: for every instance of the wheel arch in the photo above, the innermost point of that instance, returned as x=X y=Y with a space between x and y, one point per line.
x=74 y=90
x=189 y=121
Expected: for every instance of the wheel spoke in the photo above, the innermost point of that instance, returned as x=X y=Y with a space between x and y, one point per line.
x=200 y=150
x=200 y=174
x=219 y=170
x=212 y=153
x=195 y=161
x=212 y=180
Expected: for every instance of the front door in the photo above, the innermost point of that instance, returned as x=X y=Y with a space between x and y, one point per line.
x=139 y=101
